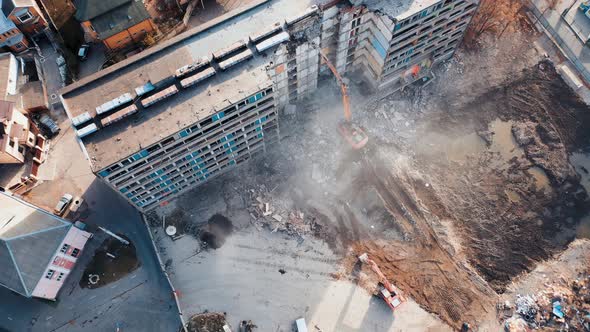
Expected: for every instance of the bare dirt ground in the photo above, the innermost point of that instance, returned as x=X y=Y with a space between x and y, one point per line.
x=463 y=187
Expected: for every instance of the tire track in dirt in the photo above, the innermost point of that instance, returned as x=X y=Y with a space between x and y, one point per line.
x=421 y=267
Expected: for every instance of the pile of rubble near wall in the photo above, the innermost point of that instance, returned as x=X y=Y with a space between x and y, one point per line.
x=564 y=305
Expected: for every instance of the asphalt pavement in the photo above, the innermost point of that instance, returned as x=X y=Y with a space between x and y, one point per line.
x=126 y=302
x=140 y=301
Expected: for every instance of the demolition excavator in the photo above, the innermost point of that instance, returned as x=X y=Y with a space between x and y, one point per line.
x=387 y=291
x=352 y=133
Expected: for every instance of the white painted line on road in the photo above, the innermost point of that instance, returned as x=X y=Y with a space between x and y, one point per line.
x=114 y=286
x=92 y=297
x=133 y=276
x=48 y=318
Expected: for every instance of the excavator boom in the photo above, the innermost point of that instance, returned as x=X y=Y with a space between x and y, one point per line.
x=390 y=294
x=352 y=133
x=343 y=87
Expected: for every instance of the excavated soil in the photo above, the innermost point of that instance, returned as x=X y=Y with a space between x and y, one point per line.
x=507 y=223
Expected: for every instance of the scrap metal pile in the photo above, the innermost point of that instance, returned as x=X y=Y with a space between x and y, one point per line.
x=563 y=305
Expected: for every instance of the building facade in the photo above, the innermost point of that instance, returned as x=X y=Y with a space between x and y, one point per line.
x=19 y=21
x=118 y=24
x=37 y=249
x=212 y=99
x=17 y=133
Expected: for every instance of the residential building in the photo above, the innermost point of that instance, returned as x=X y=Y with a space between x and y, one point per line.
x=20 y=20
x=26 y=14
x=117 y=23
x=173 y=117
x=38 y=250
x=17 y=133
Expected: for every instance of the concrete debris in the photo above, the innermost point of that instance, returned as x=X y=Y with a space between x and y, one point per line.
x=526 y=307
x=564 y=305
x=516 y=324
x=272 y=215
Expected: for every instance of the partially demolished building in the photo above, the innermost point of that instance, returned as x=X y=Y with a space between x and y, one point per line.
x=174 y=116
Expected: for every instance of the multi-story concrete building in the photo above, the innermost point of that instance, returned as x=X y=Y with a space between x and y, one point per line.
x=169 y=119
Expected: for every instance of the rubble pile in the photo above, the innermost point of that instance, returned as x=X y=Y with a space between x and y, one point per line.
x=563 y=305
x=267 y=211
x=207 y=322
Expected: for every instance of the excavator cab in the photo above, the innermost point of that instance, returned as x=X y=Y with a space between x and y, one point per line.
x=387 y=291
x=353 y=135
x=392 y=299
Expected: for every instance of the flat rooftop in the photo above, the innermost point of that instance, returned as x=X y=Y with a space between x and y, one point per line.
x=162 y=119
x=396 y=9
x=157 y=64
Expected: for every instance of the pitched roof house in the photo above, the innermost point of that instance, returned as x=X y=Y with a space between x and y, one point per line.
x=37 y=249
x=117 y=23
x=19 y=19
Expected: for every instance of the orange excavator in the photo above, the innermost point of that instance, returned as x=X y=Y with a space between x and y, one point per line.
x=387 y=291
x=352 y=133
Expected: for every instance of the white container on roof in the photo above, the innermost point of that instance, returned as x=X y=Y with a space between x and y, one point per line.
x=234 y=60
x=262 y=35
x=110 y=105
x=196 y=78
x=80 y=119
x=192 y=67
x=231 y=48
x=272 y=41
x=91 y=128
x=142 y=90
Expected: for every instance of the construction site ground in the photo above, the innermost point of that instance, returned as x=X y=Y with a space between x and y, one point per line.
x=466 y=184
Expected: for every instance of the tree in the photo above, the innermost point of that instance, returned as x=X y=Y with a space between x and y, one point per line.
x=493 y=16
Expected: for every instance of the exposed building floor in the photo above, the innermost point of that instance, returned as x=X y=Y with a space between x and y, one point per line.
x=445 y=198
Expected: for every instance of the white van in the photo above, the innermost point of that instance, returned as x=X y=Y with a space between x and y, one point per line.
x=301 y=326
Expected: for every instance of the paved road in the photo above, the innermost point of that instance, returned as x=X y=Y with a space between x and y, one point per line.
x=128 y=301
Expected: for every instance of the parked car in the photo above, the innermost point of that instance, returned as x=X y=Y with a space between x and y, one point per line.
x=62 y=204
x=47 y=125
x=83 y=52
x=76 y=203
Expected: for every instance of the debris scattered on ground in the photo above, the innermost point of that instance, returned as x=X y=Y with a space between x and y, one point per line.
x=563 y=305
x=207 y=322
x=247 y=326
x=266 y=211
x=104 y=269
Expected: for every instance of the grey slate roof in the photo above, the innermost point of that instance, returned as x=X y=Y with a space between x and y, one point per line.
x=89 y=9
x=29 y=237
x=119 y=19
x=7 y=7
x=5 y=23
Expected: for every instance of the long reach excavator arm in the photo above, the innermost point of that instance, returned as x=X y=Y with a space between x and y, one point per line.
x=352 y=133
